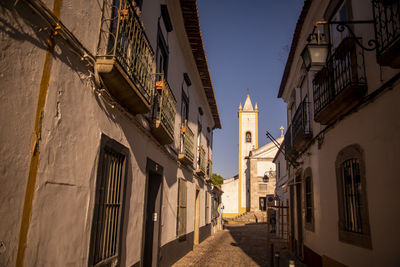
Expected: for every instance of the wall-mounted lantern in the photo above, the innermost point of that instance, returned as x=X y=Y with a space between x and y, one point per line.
x=315 y=52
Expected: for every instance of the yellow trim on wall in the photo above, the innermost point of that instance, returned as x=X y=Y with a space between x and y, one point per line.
x=240 y=160
x=256 y=135
x=34 y=162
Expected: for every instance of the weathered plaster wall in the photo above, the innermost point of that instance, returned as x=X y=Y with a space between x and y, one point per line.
x=73 y=120
x=23 y=48
x=375 y=128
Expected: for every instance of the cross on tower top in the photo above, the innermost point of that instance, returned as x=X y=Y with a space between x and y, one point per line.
x=281 y=130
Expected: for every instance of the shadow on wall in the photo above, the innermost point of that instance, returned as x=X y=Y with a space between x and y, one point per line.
x=252 y=240
x=248 y=183
x=37 y=33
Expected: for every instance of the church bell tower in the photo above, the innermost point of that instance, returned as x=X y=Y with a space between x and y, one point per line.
x=248 y=140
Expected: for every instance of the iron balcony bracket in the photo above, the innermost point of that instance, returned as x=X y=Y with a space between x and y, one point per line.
x=273 y=140
x=343 y=25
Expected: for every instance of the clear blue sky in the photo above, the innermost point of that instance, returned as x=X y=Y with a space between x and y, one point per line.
x=247 y=44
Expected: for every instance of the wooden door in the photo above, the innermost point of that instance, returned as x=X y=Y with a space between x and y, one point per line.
x=197 y=217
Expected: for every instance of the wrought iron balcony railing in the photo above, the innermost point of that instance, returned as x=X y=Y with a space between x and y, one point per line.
x=387 y=30
x=209 y=169
x=164 y=110
x=201 y=161
x=125 y=58
x=299 y=132
x=186 y=154
x=340 y=84
x=287 y=142
x=301 y=126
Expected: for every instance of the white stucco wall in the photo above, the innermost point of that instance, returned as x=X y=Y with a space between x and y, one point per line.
x=73 y=119
x=374 y=126
x=230 y=197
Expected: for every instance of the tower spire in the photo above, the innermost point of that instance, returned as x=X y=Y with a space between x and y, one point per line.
x=248 y=106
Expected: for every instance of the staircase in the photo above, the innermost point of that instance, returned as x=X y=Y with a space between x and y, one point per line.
x=248 y=217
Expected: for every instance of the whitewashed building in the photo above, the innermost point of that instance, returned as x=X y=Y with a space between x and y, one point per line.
x=256 y=179
x=342 y=143
x=107 y=113
x=262 y=175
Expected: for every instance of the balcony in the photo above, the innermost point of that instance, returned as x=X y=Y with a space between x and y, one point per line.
x=201 y=161
x=301 y=127
x=387 y=30
x=124 y=58
x=209 y=170
x=164 y=110
x=186 y=154
x=287 y=142
x=340 y=85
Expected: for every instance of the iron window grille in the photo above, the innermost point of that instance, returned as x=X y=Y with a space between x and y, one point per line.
x=309 y=204
x=108 y=211
x=354 y=225
x=352 y=195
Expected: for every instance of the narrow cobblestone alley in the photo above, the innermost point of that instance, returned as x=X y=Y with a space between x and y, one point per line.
x=237 y=245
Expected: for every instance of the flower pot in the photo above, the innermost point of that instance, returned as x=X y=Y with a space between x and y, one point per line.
x=159 y=85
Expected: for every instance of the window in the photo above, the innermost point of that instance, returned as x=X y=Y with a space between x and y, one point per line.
x=207 y=207
x=166 y=18
x=162 y=55
x=181 y=214
x=308 y=200
x=341 y=14
x=107 y=219
x=184 y=108
x=199 y=128
x=248 y=137
x=279 y=170
x=352 y=197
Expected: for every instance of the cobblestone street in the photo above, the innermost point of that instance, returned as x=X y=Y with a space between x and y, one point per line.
x=237 y=245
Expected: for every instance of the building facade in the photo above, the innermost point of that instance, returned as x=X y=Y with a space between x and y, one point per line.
x=341 y=144
x=108 y=112
x=256 y=178
x=262 y=175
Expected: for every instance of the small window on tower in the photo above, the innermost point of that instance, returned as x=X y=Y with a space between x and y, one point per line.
x=248 y=137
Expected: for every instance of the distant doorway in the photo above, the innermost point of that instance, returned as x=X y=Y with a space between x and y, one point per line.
x=262 y=203
x=197 y=217
x=152 y=214
x=291 y=216
x=299 y=221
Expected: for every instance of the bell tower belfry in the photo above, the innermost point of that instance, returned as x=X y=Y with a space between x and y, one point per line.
x=248 y=140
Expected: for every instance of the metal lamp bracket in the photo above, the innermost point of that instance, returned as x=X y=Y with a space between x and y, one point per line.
x=342 y=25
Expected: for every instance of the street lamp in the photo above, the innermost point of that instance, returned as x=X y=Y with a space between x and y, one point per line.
x=315 y=52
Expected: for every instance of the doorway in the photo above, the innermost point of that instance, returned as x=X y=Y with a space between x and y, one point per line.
x=262 y=203
x=152 y=216
x=299 y=220
x=197 y=217
x=291 y=216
